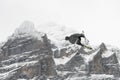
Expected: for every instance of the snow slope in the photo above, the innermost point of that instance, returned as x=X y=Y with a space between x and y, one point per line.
x=56 y=33
x=63 y=60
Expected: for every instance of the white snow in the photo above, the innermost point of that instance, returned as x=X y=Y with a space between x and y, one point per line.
x=65 y=59
x=107 y=53
x=92 y=77
x=77 y=78
x=57 y=33
x=27 y=28
x=15 y=65
x=110 y=47
x=5 y=76
x=115 y=50
x=89 y=57
x=101 y=76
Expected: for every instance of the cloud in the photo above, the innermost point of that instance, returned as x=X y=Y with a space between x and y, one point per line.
x=99 y=18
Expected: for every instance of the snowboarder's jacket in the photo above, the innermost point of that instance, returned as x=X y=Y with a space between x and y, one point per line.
x=75 y=38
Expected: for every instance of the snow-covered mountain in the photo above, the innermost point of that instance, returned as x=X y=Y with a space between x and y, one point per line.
x=43 y=54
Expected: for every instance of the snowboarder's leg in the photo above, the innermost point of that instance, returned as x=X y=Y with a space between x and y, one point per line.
x=84 y=46
x=79 y=43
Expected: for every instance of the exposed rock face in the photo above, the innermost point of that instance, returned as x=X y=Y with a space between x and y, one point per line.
x=111 y=65
x=26 y=57
x=96 y=65
x=76 y=62
x=60 y=53
x=29 y=55
x=108 y=65
x=99 y=65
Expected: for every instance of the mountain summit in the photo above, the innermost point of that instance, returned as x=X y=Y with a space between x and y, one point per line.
x=25 y=27
x=43 y=54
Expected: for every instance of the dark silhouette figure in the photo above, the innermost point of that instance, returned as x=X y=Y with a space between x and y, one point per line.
x=75 y=38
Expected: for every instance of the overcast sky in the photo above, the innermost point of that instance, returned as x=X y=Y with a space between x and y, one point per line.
x=100 y=19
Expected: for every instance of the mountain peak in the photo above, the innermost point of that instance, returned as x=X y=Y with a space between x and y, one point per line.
x=50 y=54
x=25 y=27
x=103 y=47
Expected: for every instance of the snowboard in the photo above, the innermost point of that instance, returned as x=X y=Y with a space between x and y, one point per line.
x=88 y=47
x=86 y=44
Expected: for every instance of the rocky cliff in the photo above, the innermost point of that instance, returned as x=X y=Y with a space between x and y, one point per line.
x=26 y=56
x=32 y=55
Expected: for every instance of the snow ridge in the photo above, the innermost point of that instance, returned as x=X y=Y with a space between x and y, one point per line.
x=56 y=33
x=27 y=28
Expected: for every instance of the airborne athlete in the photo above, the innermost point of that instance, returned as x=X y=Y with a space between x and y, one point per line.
x=76 y=39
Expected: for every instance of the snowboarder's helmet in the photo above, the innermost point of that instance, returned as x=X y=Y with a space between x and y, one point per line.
x=82 y=34
x=66 y=38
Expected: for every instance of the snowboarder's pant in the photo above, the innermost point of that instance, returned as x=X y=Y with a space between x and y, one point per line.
x=79 y=43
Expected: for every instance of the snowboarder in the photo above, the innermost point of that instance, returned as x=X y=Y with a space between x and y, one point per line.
x=76 y=38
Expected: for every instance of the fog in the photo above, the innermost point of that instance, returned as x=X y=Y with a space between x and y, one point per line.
x=100 y=19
